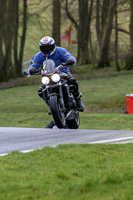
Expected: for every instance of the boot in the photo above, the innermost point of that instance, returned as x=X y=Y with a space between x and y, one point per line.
x=80 y=104
x=40 y=94
x=49 y=112
x=50 y=124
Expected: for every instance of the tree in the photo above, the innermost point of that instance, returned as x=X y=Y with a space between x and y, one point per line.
x=8 y=39
x=9 y=26
x=2 y=19
x=104 y=60
x=131 y=28
x=23 y=37
x=82 y=28
x=116 y=38
x=56 y=21
x=129 y=64
x=98 y=27
x=102 y=8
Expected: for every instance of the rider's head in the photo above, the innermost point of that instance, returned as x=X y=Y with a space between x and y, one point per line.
x=47 y=45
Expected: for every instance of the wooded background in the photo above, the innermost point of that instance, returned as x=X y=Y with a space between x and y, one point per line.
x=99 y=27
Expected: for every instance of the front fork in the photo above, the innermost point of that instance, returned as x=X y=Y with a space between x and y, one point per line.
x=47 y=92
x=70 y=98
x=61 y=97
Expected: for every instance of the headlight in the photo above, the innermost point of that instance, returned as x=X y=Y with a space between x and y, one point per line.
x=45 y=80
x=55 y=78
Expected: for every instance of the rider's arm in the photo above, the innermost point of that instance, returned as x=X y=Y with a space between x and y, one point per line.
x=66 y=57
x=35 y=64
x=33 y=70
x=69 y=61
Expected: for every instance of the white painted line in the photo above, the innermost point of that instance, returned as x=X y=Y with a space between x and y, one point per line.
x=26 y=151
x=4 y=154
x=111 y=140
x=95 y=142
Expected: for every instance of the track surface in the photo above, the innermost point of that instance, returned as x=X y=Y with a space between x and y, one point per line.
x=26 y=139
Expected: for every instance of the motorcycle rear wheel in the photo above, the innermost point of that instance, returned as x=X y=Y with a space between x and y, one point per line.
x=74 y=124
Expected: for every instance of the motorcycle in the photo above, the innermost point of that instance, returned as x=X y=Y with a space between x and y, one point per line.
x=59 y=96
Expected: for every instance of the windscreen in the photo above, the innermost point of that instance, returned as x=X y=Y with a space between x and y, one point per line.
x=48 y=67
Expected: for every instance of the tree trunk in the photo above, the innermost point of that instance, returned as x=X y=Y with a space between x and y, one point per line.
x=131 y=27
x=10 y=61
x=92 y=51
x=102 y=8
x=105 y=10
x=16 y=26
x=82 y=29
x=83 y=32
x=76 y=25
x=104 y=61
x=8 y=38
x=98 y=23
x=22 y=43
x=2 y=22
x=129 y=65
x=56 y=13
x=116 y=39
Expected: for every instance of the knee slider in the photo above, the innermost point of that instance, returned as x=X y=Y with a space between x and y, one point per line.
x=72 y=81
x=40 y=92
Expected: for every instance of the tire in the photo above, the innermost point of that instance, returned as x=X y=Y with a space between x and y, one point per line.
x=58 y=116
x=74 y=124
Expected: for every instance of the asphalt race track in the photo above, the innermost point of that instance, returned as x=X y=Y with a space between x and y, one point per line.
x=28 y=139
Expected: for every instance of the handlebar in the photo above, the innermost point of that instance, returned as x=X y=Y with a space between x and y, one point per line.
x=60 y=67
x=34 y=71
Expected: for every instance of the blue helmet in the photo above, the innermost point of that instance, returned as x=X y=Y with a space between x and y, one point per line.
x=47 y=45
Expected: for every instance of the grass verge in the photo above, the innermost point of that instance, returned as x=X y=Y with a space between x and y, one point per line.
x=104 y=99
x=77 y=172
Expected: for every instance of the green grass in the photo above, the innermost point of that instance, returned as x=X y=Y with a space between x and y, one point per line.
x=22 y=107
x=103 y=96
x=77 y=172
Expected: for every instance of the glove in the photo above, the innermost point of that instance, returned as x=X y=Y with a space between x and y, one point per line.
x=69 y=61
x=33 y=70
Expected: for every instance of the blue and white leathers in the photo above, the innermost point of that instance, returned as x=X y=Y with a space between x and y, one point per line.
x=59 y=56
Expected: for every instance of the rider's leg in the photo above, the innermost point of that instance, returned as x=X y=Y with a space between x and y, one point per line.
x=77 y=94
x=50 y=124
x=42 y=95
x=40 y=91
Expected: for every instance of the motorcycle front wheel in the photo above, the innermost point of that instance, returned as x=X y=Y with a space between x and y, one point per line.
x=57 y=113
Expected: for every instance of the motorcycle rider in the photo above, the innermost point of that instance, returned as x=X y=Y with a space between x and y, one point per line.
x=61 y=56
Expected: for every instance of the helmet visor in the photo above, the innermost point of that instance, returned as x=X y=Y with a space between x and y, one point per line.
x=47 y=48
